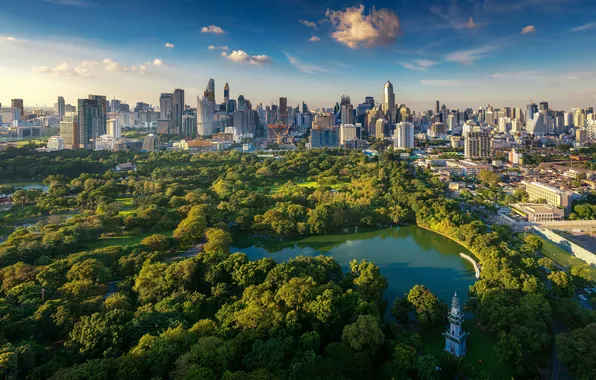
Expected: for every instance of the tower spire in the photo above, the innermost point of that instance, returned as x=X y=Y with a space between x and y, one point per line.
x=455 y=337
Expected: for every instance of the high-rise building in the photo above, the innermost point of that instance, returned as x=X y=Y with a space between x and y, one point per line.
x=389 y=102
x=531 y=110
x=205 y=113
x=9 y=114
x=404 y=136
x=92 y=120
x=579 y=119
x=113 y=128
x=347 y=132
x=210 y=90
x=61 y=107
x=324 y=137
x=477 y=144
x=18 y=103
x=165 y=106
x=177 y=110
x=283 y=110
x=189 y=125
x=226 y=93
x=241 y=103
x=115 y=105
x=437 y=108
x=380 y=128
x=69 y=130
x=55 y=143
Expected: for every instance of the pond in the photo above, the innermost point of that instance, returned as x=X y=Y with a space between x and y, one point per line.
x=407 y=256
x=27 y=185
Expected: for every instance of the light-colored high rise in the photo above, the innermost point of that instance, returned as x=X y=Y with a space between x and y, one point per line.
x=347 y=132
x=61 y=107
x=55 y=143
x=389 y=102
x=69 y=130
x=579 y=119
x=404 y=136
x=113 y=128
x=477 y=144
x=205 y=111
x=189 y=125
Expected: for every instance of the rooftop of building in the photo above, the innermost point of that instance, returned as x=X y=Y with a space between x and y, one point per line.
x=536 y=208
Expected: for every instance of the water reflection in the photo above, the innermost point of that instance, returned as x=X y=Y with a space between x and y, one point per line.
x=406 y=255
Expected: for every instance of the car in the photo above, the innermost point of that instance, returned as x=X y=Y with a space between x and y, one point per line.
x=582 y=297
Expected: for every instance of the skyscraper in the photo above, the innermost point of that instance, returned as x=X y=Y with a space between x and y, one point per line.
x=210 y=90
x=69 y=130
x=205 y=116
x=226 y=93
x=283 y=110
x=531 y=110
x=18 y=103
x=437 y=108
x=389 y=103
x=115 y=105
x=91 y=120
x=404 y=136
x=61 y=107
x=165 y=106
x=347 y=110
x=177 y=110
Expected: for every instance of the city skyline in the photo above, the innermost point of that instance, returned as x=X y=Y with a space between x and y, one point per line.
x=465 y=53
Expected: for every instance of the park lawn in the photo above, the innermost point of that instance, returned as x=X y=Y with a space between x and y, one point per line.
x=562 y=257
x=480 y=346
x=112 y=241
x=127 y=206
x=22 y=143
x=310 y=184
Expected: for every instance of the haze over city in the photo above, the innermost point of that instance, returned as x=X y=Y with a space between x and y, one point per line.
x=466 y=53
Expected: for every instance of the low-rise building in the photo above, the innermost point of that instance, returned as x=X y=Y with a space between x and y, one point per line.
x=552 y=195
x=537 y=212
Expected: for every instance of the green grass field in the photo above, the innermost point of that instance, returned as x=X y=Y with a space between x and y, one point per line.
x=310 y=184
x=123 y=240
x=480 y=355
x=561 y=256
x=127 y=206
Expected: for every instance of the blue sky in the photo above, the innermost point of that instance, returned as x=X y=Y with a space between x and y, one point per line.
x=465 y=53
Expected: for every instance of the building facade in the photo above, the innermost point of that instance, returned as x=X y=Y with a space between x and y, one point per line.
x=477 y=144
x=553 y=196
x=404 y=136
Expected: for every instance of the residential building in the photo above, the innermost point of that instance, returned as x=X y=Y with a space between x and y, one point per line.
x=189 y=125
x=515 y=157
x=404 y=136
x=477 y=144
x=552 y=195
x=9 y=115
x=381 y=128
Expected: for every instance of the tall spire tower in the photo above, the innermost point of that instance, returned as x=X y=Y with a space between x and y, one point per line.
x=389 y=103
x=455 y=337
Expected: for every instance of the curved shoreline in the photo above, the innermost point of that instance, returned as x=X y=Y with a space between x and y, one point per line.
x=475 y=258
x=471 y=260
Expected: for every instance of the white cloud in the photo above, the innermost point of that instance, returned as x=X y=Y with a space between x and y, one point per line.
x=581 y=28
x=159 y=62
x=111 y=65
x=169 y=45
x=212 y=29
x=241 y=56
x=211 y=47
x=89 y=64
x=10 y=39
x=418 y=64
x=310 y=24
x=304 y=67
x=467 y=57
x=439 y=82
x=314 y=39
x=528 y=29
x=354 y=29
x=62 y=69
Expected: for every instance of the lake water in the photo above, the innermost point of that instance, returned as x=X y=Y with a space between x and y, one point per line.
x=27 y=185
x=407 y=256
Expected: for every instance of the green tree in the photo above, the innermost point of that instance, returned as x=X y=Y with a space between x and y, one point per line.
x=192 y=228
x=576 y=351
x=364 y=334
x=431 y=311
